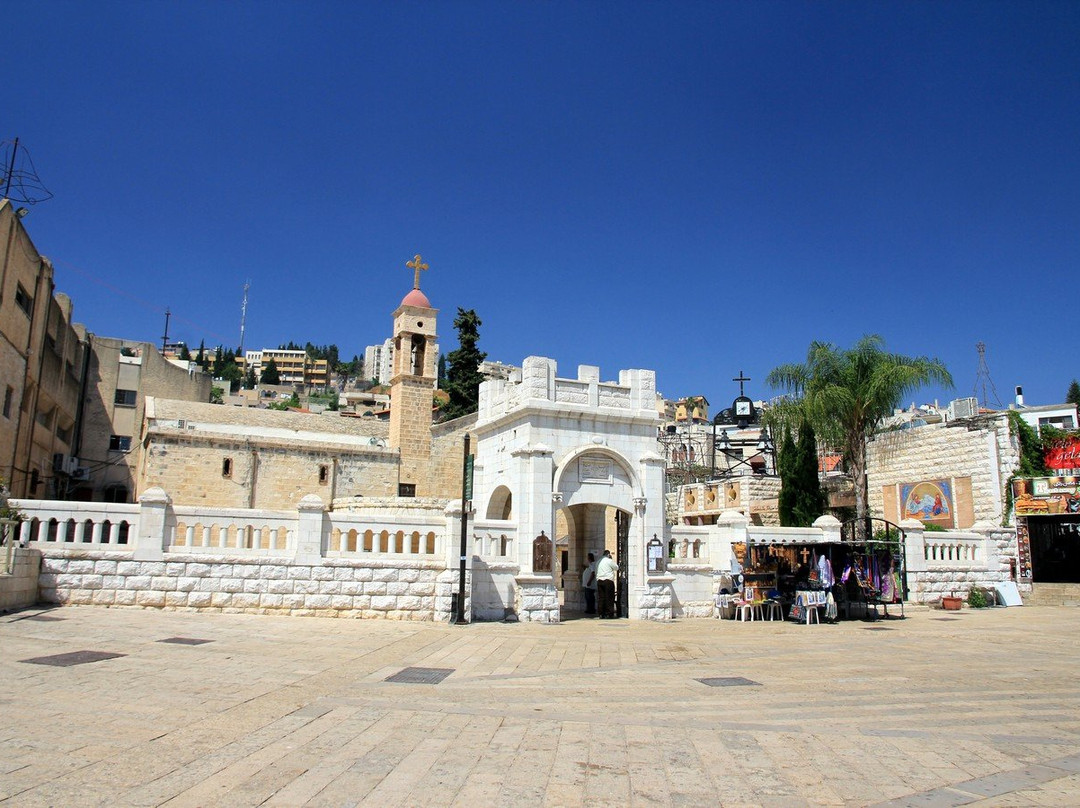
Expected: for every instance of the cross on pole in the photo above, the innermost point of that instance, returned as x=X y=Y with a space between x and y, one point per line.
x=418 y=266
x=740 y=378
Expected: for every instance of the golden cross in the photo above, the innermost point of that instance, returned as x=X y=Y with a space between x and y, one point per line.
x=417 y=266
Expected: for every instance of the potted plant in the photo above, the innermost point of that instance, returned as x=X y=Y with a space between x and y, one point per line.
x=951 y=602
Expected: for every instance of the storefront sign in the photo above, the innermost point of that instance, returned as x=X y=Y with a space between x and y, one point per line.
x=1046 y=495
x=1064 y=457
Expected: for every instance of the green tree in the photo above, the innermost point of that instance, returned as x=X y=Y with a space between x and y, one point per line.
x=846 y=394
x=1073 y=396
x=200 y=357
x=270 y=373
x=463 y=375
x=217 y=395
x=810 y=500
x=185 y=354
x=785 y=457
x=249 y=378
x=442 y=372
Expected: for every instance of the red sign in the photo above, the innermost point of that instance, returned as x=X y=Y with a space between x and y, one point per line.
x=1065 y=455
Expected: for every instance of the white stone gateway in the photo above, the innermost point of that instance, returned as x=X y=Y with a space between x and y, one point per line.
x=570 y=467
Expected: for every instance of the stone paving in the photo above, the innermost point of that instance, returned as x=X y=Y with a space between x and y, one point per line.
x=977 y=708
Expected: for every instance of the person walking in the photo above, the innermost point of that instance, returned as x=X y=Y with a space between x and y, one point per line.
x=605 y=585
x=588 y=585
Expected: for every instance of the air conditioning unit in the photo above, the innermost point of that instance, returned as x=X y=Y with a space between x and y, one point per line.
x=80 y=473
x=70 y=465
x=963 y=408
x=59 y=462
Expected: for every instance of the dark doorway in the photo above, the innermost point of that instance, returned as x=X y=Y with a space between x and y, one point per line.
x=622 y=558
x=1055 y=549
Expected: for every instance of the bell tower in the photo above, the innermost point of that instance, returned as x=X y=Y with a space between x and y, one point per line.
x=412 y=386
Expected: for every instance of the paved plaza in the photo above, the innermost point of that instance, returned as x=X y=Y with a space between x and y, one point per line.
x=940 y=709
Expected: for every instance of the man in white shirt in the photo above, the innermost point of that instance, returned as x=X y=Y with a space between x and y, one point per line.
x=588 y=585
x=605 y=585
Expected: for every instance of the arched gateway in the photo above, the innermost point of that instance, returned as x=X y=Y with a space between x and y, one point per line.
x=578 y=459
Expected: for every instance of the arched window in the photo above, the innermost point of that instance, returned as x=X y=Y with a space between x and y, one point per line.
x=500 y=506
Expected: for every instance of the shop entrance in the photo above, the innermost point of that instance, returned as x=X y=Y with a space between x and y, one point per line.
x=1055 y=549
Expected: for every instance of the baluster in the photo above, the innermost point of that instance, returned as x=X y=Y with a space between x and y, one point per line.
x=95 y=535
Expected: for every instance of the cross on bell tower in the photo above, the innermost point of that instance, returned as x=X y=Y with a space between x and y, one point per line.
x=740 y=379
x=418 y=266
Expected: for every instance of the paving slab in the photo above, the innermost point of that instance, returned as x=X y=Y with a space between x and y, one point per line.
x=190 y=709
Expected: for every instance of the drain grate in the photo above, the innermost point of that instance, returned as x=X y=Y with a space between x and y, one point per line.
x=420 y=676
x=877 y=628
x=728 y=681
x=185 y=641
x=73 y=658
x=945 y=619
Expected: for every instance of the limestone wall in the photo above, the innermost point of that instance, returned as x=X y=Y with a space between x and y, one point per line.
x=979 y=456
x=374 y=588
x=19 y=586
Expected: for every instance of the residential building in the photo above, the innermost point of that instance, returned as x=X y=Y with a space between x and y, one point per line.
x=41 y=367
x=378 y=361
x=294 y=367
x=121 y=375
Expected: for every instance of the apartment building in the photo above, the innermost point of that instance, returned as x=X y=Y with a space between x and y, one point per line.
x=41 y=368
x=294 y=367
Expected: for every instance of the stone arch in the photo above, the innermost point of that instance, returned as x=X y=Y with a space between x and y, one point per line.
x=500 y=504
x=621 y=496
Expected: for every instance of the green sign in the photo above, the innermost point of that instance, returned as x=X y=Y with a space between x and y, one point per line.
x=468 y=476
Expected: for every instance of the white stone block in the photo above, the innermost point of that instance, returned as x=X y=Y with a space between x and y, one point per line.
x=77 y=566
x=383 y=603
x=396 y=588
x=175 y=568
x=197 y=570
x=280 y=587
x=221 y=571
x=176 y=600
x=384 y=574
x=220 y=600
x=352 y=588
x=297 y=572
x=341 y=602
x=106 y=567
x=375 y=588
x=410 y=603
x=137 y=582
x=125 y=597
x=163 y=583
x=322 y=573
x=200 y=600
x=343 y=573
x=245 y=600
x=104 y=597
x=127 y=568
x=271 y=601
x=291 y=601
x=151 y=568
x=317 y=602
x=150 y=598
x=230 y=585
x=246 y=571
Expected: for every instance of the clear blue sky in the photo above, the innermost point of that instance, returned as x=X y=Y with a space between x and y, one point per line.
x=697 y=188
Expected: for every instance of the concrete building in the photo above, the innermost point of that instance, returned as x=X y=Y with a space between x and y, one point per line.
x=41 y=368
x=294 y=367
x=378 y=361
x=121 y=376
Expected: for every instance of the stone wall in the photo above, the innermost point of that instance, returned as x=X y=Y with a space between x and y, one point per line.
x=19 y=588
x=536 y=599
x=980 y=451
x=447 y=450
x=372 y=588
x=692 y=592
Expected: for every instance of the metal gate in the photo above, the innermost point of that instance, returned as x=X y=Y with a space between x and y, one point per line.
x=622 y=558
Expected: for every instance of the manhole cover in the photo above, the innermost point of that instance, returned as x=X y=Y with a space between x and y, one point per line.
x=74 y=658
x=420 y=676
x=946 y=619
x=728 y=681
x=877 y=628
x=185 y=641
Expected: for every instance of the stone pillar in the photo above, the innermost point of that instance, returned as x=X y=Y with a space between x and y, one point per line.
x=915 y=558
x=830 y=528
x=310 y=530
x=154 y=517
x=448 y=582
x=650 y=596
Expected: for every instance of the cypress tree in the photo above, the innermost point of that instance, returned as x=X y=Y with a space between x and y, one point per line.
x=463 y=377
x=788 y=484
x=810 y=500
x=1073 y=396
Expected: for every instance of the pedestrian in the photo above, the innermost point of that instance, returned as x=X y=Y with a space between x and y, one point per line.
x=588 y=585
x=605 y=585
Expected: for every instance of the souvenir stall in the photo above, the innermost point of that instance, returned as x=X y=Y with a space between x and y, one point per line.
x=818 y=580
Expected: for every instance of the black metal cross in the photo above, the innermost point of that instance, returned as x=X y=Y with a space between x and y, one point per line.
x=740 y=379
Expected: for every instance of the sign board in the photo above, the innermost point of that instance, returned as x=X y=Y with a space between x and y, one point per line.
x=469 y=476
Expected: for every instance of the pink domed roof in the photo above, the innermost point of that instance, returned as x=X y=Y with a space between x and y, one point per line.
x=416 y=298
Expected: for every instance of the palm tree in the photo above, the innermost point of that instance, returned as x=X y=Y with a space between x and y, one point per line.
x=846 y=394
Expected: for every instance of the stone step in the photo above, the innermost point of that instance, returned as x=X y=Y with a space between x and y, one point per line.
x=1053 y=595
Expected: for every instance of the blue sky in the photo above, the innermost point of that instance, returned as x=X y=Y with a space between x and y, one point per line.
x=697 y=188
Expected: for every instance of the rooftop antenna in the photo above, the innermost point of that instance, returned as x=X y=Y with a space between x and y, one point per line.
x=165 y=337
x=983 y=375
x=243 y=317
x=20 y=179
